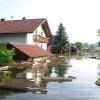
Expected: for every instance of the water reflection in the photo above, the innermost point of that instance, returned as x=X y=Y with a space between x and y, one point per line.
x=98 y=70
x=26 y=77
x=3 y=94
x=60 y=66
x=58 y=60
x=59 y=71
x=84 y=68
x=32 y=77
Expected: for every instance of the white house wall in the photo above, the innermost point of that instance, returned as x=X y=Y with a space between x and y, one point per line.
x=30 y=37
x=44 y=46
x=25 y=38
x=13 y=37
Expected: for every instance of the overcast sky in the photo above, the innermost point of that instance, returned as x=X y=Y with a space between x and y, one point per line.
x=81 y=18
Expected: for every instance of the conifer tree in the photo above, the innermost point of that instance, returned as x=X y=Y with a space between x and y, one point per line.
x=60 y=41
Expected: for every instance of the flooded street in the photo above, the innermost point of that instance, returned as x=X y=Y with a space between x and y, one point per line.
x=86 y=71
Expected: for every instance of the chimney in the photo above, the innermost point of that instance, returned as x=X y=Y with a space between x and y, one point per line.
x=23 y=18
x=2 y=19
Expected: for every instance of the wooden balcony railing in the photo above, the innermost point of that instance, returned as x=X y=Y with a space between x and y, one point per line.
x=40 y=39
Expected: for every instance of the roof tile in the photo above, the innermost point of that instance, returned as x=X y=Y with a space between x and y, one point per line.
x=31 y=50
x=20 y=26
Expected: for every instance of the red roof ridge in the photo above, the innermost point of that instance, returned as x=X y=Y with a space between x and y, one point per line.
x=22 y=20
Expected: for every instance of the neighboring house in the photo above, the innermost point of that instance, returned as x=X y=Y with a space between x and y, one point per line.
x=96 y=49
x=25 y=31
x=95 y=53
x=28 y=37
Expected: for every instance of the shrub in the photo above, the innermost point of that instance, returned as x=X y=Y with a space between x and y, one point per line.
x=5 y=55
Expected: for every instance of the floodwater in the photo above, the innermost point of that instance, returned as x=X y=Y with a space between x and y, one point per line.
x=86 y=71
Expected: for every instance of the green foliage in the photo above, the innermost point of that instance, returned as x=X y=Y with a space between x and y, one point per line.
x=4 y=93
x=5 y=55
x=92 y=46
x=60 y=41
x=5 y=76
x=79 y=46
x=73 y=49
x=99 y=32
x=61 y=70
x=99 y=43
x=86 y=47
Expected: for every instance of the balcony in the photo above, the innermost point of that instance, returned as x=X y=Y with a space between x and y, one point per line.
x=40 y=39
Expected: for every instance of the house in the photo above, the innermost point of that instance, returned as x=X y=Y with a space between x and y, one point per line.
x=96 y=49
x=26 y=36
x=95 y=53
x=25 y=31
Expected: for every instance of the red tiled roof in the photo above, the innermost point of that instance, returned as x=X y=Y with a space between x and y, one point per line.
x=31 y=50
x=20 y=26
